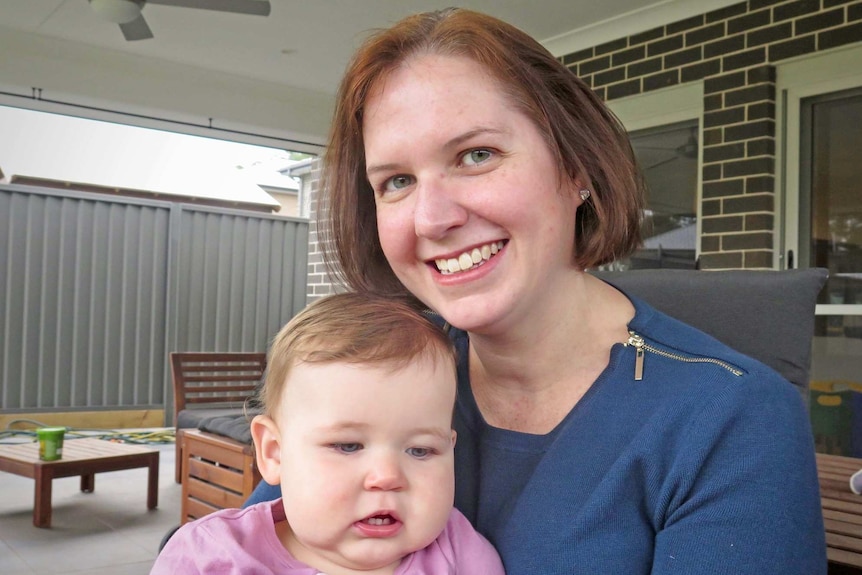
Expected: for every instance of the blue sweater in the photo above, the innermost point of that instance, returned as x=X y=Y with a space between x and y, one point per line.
x=702 y=466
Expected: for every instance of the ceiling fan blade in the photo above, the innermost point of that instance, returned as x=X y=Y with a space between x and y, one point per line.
x=137 y=29
x=252 y=7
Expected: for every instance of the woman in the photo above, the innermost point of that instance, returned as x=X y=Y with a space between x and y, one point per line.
x=469 y=169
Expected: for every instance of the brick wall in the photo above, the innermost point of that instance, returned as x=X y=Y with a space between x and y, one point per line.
x=733 y=51
x=319 y=282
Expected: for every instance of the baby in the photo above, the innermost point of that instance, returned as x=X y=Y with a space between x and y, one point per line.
x=357 y=429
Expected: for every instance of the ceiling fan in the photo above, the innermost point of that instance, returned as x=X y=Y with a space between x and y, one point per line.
x=687 y=150
x=127 y=13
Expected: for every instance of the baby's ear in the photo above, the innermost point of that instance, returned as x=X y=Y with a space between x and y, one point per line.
x=264 y=432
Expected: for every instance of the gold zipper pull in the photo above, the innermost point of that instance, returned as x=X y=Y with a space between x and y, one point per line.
x=637 y=342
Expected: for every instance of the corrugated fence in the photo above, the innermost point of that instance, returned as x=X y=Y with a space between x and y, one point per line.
x=96 y=290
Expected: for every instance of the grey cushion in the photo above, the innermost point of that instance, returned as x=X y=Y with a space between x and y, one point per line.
x=191 y=418
x=768 y=315
x=237 y=427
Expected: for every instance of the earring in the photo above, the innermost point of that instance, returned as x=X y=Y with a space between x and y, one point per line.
x=585 y=194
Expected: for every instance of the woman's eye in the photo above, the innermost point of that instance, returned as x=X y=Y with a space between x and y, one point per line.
x=346 y=447
x=396 y=183
x=476 y=157
x=420 y=452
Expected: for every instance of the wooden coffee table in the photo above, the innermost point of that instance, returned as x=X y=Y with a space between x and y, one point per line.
x=84 y=457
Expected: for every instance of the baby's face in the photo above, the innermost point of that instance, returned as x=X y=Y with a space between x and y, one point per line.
x=367 y=465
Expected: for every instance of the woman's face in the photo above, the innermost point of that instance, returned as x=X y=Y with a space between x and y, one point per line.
x=470 y=211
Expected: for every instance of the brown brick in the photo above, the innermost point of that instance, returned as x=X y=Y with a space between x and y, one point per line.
x=710 y=207
x=712 y=102
x=760 y=74
x=831 y=3
x=646 y=36
x=819 y=21
x=711 y=173
x=760 y=147
x=748 y=22
x=712 y=137
x=628 y=56
x=726 y=13
x=721 y=224
x=710 y=243
x=611 y=46
x=703 y=35
x=609 y=77
x=761 y=111
x=769 y=35
x=795 y=9
x=854 y=12
x=723 y=117
x=758 y=4
x=791 y=48
x=759 y=222
x=762 y=165
x=724 y=82
x=750 y=241
x=725 y=46
x=601 y=93
x=759 y=184
x=839 y=36
x=745 y=204
x=578 y=56
x=722 y=153
x=723 y=188
x=721 y=261
x=661 y=80
x=623 y=89
x=760 y=259
x=744 y=59
x=664 y=46
x=756 y=93
x=750 y=130
x=683 y=25
x=683 y=57
x=644 y=68
x=595 y=65
x=700 y=71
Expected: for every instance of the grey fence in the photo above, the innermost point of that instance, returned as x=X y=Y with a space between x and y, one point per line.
x=96 y=290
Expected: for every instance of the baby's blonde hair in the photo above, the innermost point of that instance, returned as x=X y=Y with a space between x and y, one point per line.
x=352 y=328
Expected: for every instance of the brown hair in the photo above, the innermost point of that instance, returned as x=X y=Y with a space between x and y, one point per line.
x=352 y=328
x=587 y=140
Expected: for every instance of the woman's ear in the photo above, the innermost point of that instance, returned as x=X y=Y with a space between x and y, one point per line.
x=267 y=448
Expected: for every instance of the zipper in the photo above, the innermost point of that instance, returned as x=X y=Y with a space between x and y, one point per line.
x=641 y=346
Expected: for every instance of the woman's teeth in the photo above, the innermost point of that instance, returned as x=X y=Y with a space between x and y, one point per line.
x=467 y=260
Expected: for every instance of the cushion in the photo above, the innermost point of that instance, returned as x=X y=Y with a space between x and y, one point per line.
x=236 y=427
x=191 y=418
x=768 y=315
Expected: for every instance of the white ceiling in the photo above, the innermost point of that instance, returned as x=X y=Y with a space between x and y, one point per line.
x=302 y=45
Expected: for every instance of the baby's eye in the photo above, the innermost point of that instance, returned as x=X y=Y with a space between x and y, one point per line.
x=346 y=447
x=396 y=183
x=420 y=452
x=476 y=157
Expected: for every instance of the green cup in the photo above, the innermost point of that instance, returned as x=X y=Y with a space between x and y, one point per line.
x=50 y=443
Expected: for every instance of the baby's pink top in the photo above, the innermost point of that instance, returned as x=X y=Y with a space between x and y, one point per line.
x=234 y=541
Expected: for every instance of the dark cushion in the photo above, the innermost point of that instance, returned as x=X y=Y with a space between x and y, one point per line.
x=768 y=315
x=191 y=418
x=236 y=427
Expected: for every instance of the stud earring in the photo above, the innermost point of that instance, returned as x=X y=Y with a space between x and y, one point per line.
x=585 y=194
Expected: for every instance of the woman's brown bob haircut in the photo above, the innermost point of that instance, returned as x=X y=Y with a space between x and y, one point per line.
x=587 y=140
x=353 y=328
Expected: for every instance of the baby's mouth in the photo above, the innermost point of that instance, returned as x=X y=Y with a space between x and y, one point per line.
x=469 y=259
x=379 y=520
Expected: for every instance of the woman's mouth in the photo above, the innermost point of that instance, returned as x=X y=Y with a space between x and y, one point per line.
x=469 y=259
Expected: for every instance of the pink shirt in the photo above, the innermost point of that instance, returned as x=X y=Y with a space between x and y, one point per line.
x=234 y=541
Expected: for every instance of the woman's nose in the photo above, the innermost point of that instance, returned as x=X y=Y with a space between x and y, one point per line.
x=439 y=207
x=385 y=473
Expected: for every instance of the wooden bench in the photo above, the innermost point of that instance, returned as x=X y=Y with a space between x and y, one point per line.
x=207 y=384
x=217 y=472
x=842 y=509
